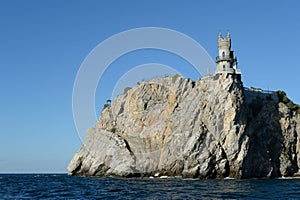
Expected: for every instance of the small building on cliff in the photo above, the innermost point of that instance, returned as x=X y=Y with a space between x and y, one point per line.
x=226 y=60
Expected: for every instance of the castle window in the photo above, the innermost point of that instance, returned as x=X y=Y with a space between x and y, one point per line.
x=223 y=54
x=223 y=67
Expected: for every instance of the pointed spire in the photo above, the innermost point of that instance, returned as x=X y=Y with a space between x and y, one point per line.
x=220 y=34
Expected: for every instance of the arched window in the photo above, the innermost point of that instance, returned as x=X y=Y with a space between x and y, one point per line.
x=223 y=54
x=223 y=67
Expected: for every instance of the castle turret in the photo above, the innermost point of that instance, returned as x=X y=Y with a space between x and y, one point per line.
x=226 y=61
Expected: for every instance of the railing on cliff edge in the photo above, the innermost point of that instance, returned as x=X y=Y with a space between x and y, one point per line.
x=253 y=89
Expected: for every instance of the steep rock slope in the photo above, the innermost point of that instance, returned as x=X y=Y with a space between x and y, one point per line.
x=209 y=128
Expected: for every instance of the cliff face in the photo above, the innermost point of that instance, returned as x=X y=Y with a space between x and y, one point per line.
x=209 y=128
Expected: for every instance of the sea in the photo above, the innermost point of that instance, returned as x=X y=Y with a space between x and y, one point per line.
x=62 y=186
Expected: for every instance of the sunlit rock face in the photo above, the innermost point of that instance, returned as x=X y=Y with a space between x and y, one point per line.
x=210 y=128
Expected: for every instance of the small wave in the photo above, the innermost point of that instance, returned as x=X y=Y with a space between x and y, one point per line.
x=286 y=178
x=163 y=177
x=228 y=178
x=156 y=174
x=190 y=179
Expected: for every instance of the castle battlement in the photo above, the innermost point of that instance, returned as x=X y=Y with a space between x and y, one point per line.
x=226 y=60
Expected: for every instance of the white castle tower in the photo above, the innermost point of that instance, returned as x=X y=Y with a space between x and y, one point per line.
x=226 y=61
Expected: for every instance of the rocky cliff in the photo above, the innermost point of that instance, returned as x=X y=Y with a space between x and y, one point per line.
x=209 y=128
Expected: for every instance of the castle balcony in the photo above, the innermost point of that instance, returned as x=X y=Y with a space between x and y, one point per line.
x=223 y=58
x=238 y=71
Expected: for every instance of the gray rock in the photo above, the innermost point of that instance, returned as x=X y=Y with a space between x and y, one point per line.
x=176 y=127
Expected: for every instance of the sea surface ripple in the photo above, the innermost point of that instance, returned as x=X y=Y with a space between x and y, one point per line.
x=61 y=186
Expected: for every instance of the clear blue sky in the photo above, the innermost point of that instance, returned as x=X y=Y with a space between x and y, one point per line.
x=43 y=43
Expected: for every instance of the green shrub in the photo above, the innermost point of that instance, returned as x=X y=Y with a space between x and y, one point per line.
x=284 y=99
x=105 y=106
x=281 y=95
x=126 y=89
x=175 y=77
x=113 y=129
x=290 y=105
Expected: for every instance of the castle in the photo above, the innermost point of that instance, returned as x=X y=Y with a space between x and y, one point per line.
x=226 y=61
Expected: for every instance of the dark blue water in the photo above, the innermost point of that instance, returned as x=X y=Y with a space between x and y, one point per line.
x=61 y=186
